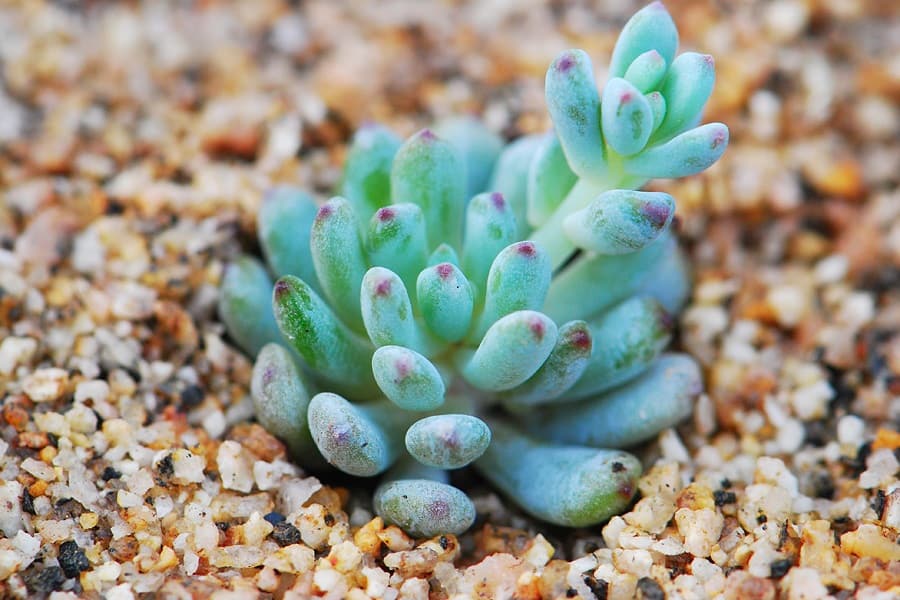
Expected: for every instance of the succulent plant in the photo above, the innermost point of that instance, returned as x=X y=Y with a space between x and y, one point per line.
x=465 y=301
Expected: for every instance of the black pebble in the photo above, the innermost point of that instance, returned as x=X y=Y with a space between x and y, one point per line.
x=599 y=587
x=779 y=568
x=72 y=559
x=722 y=498
x=110 y=473
x=44 y=581
x=650 y=590
x=28 y=502
x=878 y=503
x=285 y=534
x=191 y=396
x=165 y=466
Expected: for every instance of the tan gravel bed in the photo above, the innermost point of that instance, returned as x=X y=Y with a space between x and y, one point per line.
x=135 y=144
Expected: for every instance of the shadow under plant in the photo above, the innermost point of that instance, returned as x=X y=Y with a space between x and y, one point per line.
x=466 y=301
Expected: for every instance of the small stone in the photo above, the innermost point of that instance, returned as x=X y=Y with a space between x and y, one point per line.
x=127 y=499
x=43 y=581
x=850 y=429
x=235 y=467
x=46 y=385
x=256 y=529
x=648 y=589
x=700 y=529
x=110 y=473
x=187 y=467
x=868 y=540
x=95 y=389
x=191 y=397
x=72 y=559
x=345 y=556
x=778 y=568
x=15 y=351
x=214 y=423
x=790 y=303
x=237 y=557
x=257 y=440
x=881 y=467
x=804 y=584
x=285 y=534
x=539 y=552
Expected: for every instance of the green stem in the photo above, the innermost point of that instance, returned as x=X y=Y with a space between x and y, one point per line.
x=550 y=235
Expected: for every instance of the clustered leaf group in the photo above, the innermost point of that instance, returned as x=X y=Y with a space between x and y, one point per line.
x=466 y=301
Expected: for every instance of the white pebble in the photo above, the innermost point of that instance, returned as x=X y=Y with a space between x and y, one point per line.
x=29 y=545
x=15 y=351
x=235 y=467
x=46 y=385
x=881 y=466
x=857 y=309
x=789 y=303
x=773 y=470
x=672 y=447
x=811 y=401
x=127 y=499
x=540 y=552
x=832 y=269
x=119 y=592
x=214 y=423
x=850 y=429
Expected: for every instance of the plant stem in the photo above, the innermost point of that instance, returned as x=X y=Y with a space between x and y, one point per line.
x=550 y=235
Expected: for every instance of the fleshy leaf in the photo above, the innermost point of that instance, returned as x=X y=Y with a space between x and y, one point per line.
x=669 y=280
x=628 y=415
x=490 y=227
x=574 y=106
x=245 y=305
x=367 y=171
x=335 y=353
x=361 y=440
x=424 y=508
x=626 y=117
x=658 y=106
x=407 y=378
x=510 y=178
x=428 y=171
x=566 y=363
x=283 y=225
x=686 y=154
x=396 y=240
x=280 y=399
x=651 y=28
x=518 y=280
x=388 y=313
x=628 y=339
x=443 y=254
x=646 y=71
x=512 y=350
x=570 y=486
x=478 y=146
x=620 y=221
x=446 y=300
x=447 y=441
x=611 y=279
x=339 y=259
x=686 y=89
x=549 y=180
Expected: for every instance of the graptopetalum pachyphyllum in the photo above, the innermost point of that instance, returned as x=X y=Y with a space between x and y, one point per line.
x=466 y=301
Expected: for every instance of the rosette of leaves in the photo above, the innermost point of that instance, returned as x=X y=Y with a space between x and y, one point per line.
x=465 y=301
